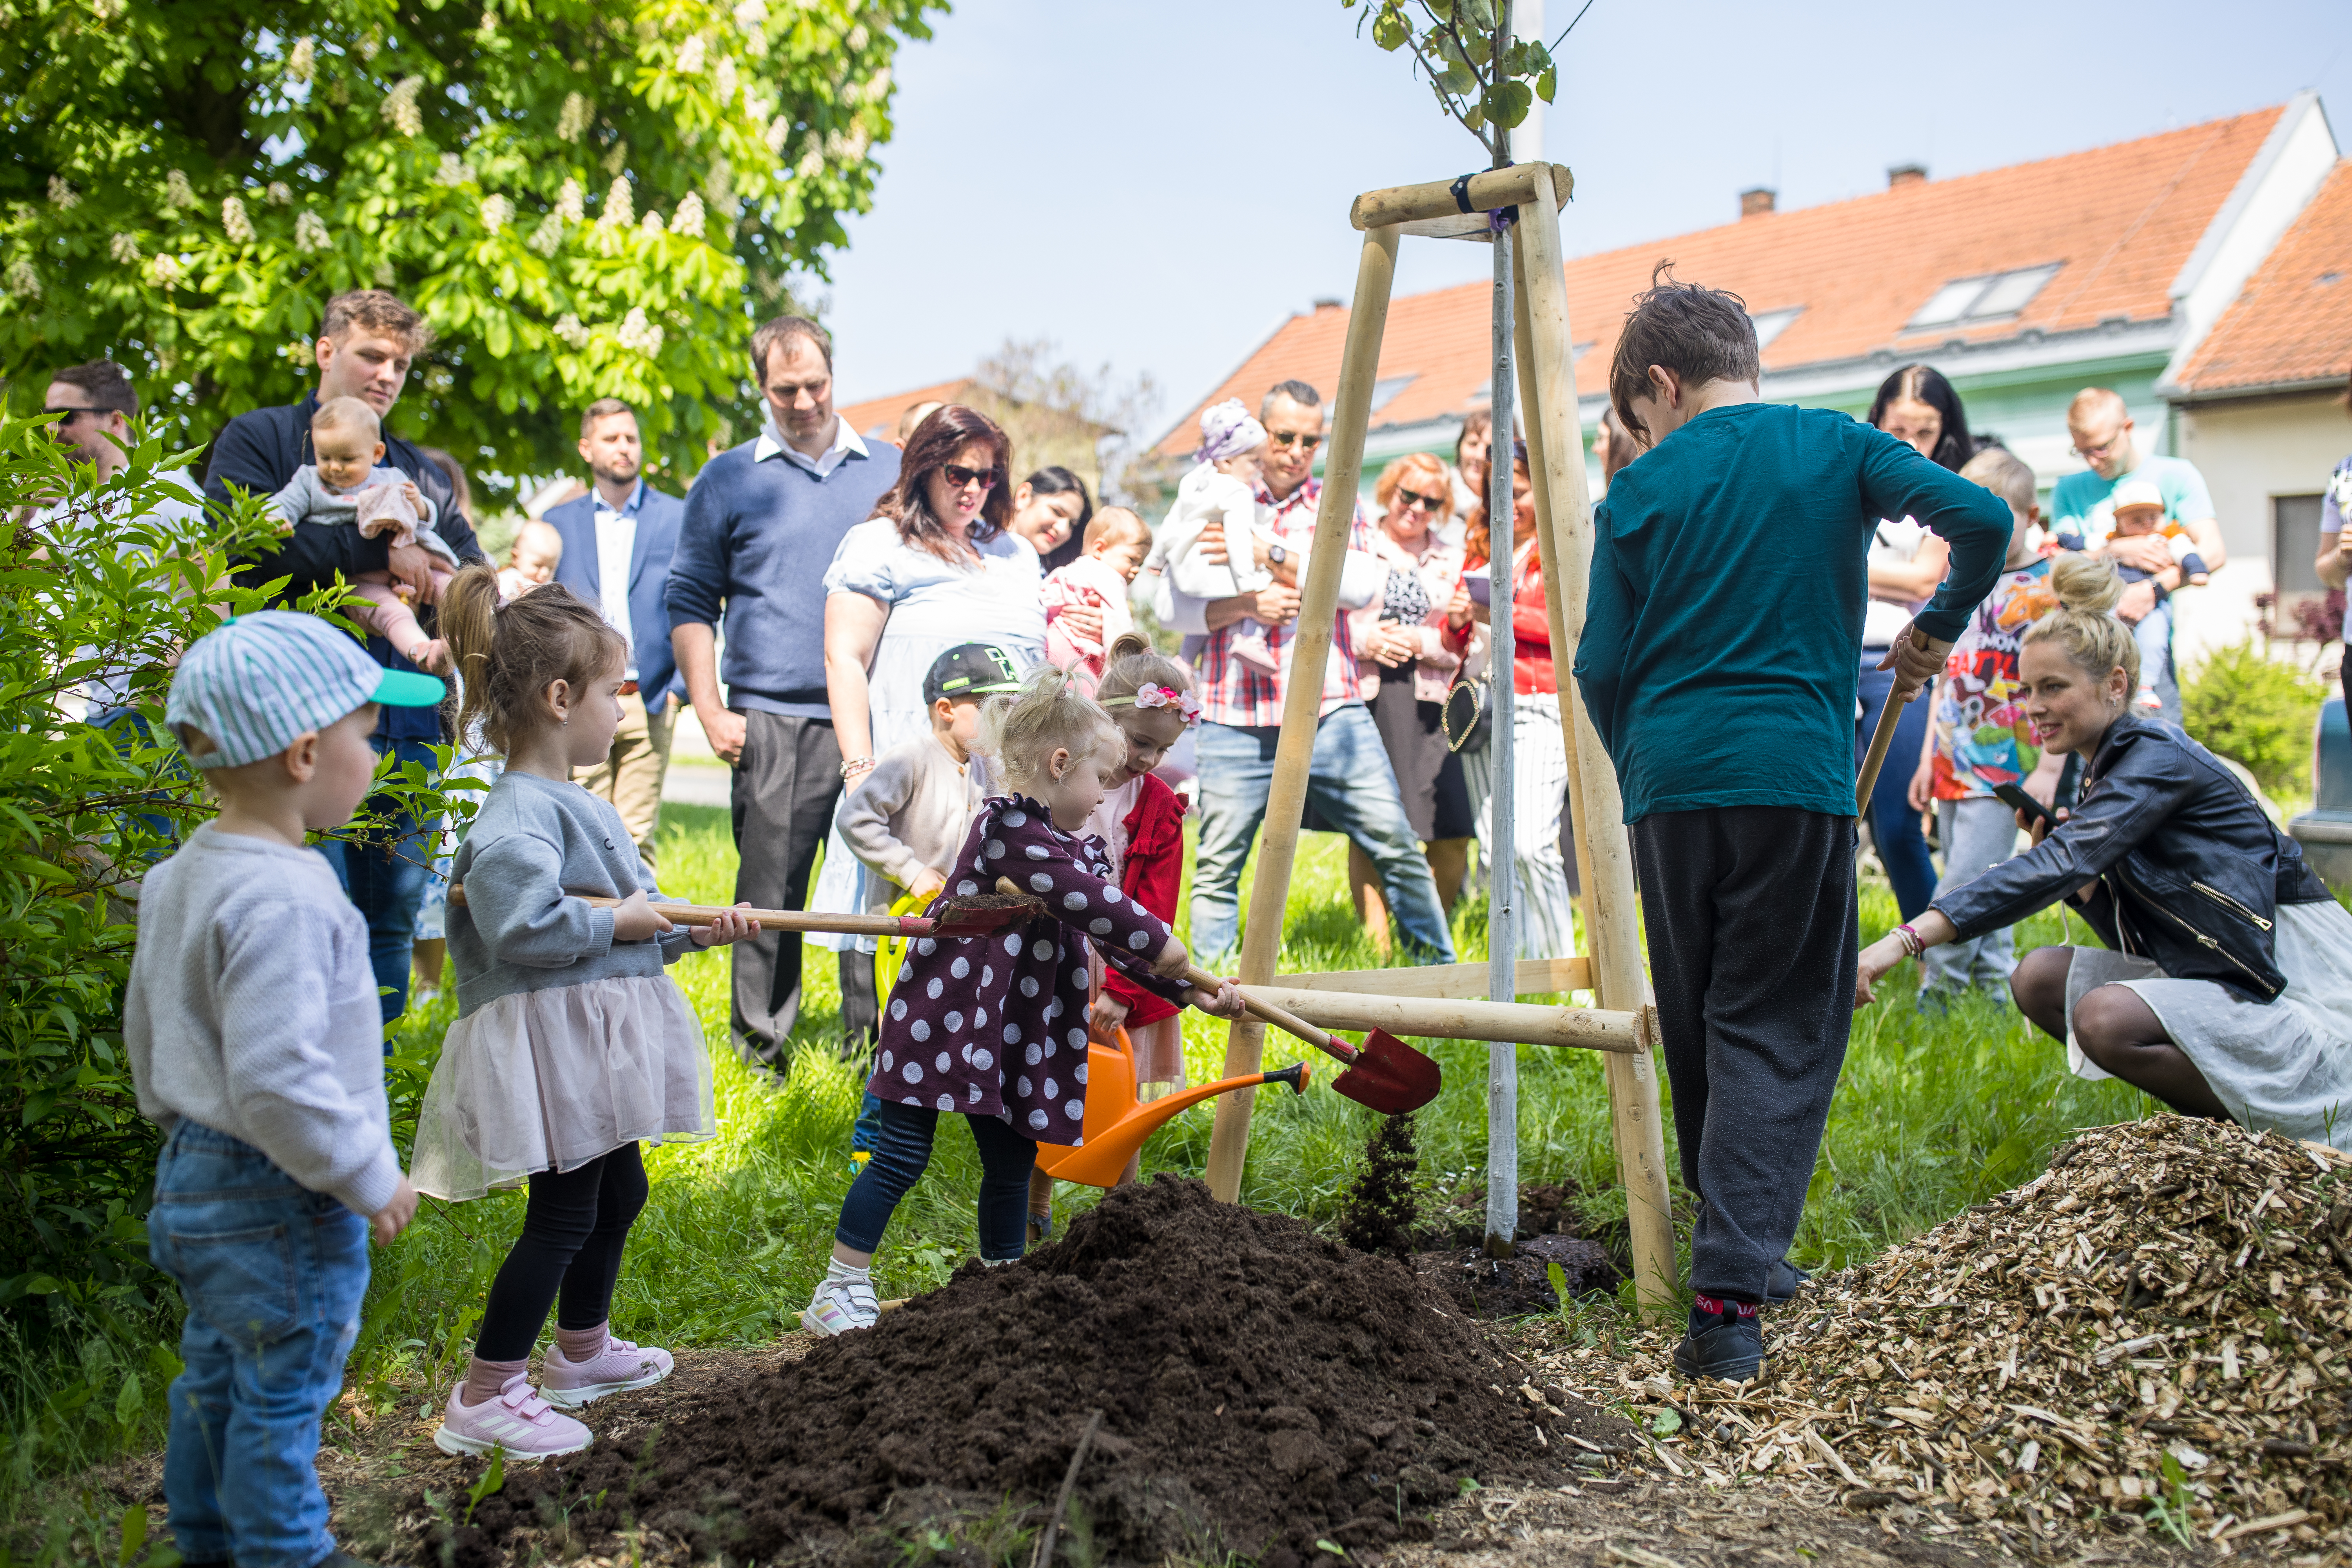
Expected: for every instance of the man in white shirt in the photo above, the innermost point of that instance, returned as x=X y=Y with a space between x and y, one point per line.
x=617 y=543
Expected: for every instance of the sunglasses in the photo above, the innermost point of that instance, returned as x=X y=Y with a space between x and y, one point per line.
x=1293 y=438
x=958 y=476
x=1420 y=502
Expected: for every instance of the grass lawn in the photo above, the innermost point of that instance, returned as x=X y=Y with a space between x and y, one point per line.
x=1934 y=1112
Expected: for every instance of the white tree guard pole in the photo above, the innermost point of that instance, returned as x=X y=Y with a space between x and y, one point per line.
x=1502 y=883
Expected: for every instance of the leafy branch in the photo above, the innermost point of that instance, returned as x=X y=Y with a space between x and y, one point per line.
x=1483 y=77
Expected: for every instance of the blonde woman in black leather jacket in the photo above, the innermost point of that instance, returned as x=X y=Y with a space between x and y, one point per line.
x=2225 y=986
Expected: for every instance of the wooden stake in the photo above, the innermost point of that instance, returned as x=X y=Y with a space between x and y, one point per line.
x=1603 y=852
x=1517 y=1023
x=1489 y=189
x=1302 y=703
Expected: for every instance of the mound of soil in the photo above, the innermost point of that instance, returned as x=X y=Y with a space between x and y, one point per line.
x=1261 y=1388
x=1520 y=1285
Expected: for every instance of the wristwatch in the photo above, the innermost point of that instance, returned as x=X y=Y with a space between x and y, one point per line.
x=1277 y=555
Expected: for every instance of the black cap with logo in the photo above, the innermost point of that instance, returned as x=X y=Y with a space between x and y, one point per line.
x=970 y=670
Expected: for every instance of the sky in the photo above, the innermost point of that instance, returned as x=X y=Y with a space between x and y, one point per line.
x=1156 y=187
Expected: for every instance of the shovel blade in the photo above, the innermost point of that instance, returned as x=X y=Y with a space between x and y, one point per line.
x=980 y=912
x=1389 y=1076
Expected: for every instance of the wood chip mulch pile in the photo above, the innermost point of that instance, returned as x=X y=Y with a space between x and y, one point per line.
x=2154 y=1335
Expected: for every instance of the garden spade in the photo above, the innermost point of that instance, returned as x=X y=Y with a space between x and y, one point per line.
x=973 y=916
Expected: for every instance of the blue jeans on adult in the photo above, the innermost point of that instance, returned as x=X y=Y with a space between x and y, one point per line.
x=128 y=730
x=385 y=879
x=1893 y=825
x=273 y=1275
x=1354 y=791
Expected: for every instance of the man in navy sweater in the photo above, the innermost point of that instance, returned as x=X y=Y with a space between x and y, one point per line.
x=761 y=523
x=364 y=347
x=617 y=543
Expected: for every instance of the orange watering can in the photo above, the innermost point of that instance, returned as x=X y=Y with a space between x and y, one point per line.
x=1116 y=1125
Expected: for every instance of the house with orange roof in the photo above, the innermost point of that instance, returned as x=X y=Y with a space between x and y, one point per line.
x=2115 y=266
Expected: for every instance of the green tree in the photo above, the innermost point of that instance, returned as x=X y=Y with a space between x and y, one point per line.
x=584 y=197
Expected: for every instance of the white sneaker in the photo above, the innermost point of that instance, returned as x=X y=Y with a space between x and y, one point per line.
x=518 y=1421
x=841 y=1305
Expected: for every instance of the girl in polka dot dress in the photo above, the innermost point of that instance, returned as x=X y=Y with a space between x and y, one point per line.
x=994 y=1026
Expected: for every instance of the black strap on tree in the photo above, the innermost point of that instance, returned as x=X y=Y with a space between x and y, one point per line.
x=1497 y=219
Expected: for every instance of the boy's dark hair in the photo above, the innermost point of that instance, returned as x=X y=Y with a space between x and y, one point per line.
x=1701 y=334
x=107 y=382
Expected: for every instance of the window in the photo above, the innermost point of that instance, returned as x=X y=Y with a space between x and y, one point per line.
x=1982 y=299
x=1773 y=323
x=2294 y=544
x=1385 y=390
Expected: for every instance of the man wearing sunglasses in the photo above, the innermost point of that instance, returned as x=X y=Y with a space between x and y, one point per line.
x=1351 y=787
x=366 y=342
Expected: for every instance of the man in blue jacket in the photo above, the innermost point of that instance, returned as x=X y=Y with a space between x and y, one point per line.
x=364 y=347
x=617 y=541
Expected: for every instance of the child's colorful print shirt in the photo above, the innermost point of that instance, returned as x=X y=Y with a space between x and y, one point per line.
x=1981 y=736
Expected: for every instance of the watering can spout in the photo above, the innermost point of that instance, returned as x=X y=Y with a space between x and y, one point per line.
x=1116 y=1123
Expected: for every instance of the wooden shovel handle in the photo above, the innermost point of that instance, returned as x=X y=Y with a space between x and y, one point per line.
x=1267 y=1011
x=770 y=920
x=1881 y=738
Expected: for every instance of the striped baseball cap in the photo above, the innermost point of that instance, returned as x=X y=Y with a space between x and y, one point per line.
x=260 y=681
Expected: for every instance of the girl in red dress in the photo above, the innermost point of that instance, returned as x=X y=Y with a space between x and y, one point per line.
x=993 y=1027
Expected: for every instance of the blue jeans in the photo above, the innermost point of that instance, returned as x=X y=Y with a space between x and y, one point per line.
x=385 y=880
x=1354 y=790
x=273 y=1276
x=903 y=1149
x=1893 y=825
x=128 y=730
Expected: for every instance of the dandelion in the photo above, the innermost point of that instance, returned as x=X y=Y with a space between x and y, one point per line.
x=124 y=247
x=725 y=79
x=400 y=105
x=689 y=57
x=280 y=193
x=176 y=193
x=573 y=122
x=238 y=227
x=688 y=220
x=26 y=283
x=568 y=328
x=497 y=213
x=779 y=131
x=548 y=234
x=652 y=223
x=164 y=272
x=570 y=203
x=452 y=170
x=302 y=60
x=619 y=210
x=638 y=333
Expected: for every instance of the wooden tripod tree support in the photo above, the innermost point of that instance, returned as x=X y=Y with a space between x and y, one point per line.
x=1564 y=529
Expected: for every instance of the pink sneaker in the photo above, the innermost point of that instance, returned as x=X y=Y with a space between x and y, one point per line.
x=1251 y=648
x=518 y=1421
x=569 y=1384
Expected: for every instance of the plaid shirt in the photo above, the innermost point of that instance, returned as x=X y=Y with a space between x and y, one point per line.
x=1235 y=693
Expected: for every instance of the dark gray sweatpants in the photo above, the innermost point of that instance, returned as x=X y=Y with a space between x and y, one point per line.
x=1750 y=917
x=785 y=784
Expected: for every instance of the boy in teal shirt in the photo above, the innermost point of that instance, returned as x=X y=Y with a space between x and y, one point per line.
x=1718 y=667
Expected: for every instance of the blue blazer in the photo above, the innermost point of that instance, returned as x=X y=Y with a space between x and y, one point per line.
x=659 y=516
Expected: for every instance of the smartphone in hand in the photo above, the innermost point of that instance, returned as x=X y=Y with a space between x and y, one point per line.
x=2014 y=796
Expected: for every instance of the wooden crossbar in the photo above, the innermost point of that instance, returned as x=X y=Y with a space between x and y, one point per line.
x=1455 y=981
x=1513 y=1023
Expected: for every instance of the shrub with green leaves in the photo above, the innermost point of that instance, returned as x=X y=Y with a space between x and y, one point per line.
x=2255 y=709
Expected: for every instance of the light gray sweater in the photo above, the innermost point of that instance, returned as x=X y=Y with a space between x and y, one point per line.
x=535 y=844
x=307 y=498
x=252 y=1011
x=913 y=809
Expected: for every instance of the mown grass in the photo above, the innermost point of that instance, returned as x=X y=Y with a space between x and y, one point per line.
x=1935 y=1112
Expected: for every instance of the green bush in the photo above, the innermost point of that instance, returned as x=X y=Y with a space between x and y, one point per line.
x=2255 y=709
x=92 y=585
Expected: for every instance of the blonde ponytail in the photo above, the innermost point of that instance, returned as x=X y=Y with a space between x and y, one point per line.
x=2084 y=623
x=1021 y=731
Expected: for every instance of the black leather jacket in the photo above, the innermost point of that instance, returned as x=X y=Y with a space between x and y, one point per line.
x=2189 y=871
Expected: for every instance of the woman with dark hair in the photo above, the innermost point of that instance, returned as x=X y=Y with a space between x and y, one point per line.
x=1051 y=510
x=936 y=565
x=1918 y=406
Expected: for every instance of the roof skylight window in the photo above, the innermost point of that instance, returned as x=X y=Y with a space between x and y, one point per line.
x=1968 y=300
x=1773 y=323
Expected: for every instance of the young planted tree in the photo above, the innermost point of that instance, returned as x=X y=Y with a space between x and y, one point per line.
x=584 y=197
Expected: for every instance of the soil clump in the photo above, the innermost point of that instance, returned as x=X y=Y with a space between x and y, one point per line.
x=1381 y=1211
x=1262 y=1388
x=1520 y=1285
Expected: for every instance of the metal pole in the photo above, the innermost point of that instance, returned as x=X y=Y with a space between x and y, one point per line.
x=1502 y=933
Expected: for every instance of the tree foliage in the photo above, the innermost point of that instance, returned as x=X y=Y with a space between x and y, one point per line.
x=584 y=197
x=1481 y=79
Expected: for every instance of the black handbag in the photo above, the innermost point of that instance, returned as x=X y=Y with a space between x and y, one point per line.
x=1469 y=714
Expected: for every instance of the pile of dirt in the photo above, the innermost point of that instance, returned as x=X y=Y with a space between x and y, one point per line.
x=1261 y=1389
x=2152 y=1333
x=1520 y=1286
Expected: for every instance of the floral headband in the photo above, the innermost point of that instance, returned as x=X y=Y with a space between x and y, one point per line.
x=1185 y=702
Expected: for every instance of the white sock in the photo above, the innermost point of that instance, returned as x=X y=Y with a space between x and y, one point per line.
x=997 y=1262
x=836 y=1269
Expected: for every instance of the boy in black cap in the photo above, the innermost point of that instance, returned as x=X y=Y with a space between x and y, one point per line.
x=907 y=818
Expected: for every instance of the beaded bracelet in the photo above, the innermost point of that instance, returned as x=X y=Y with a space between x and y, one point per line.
x=856 y=766
x=1913 y=944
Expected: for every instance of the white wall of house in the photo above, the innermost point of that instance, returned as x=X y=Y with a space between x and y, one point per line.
x=2251 y=451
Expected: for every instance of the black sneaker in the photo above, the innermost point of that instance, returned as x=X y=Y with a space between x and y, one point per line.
x=1782 y=1280
x=1727 y=1345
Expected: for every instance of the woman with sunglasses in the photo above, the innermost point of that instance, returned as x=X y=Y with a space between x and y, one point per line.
x=936 y=565
x=1409 y=653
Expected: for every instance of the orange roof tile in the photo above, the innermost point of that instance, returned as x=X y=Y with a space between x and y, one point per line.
x=2292 y=320
x=2121 y=220
x=879 y=415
